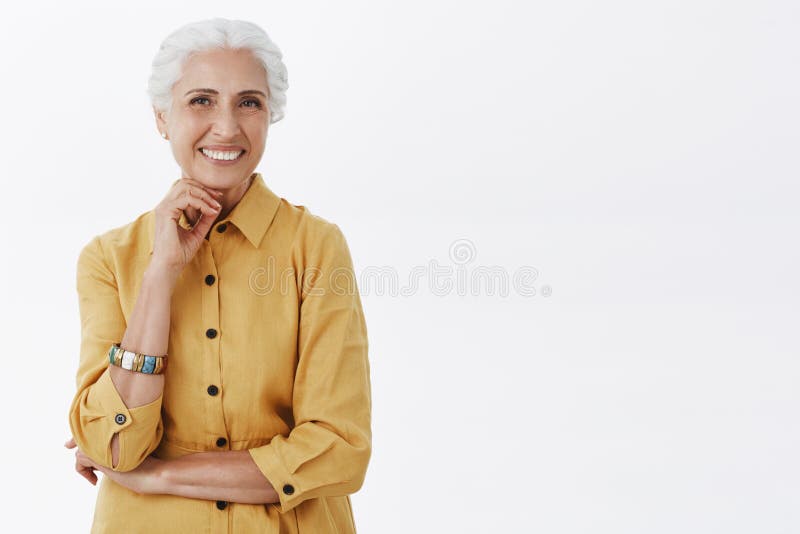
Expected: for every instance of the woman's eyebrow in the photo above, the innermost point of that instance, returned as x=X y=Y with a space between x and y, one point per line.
x=215 y=92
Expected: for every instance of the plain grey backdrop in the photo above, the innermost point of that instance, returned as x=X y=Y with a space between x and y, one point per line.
x=598 y=203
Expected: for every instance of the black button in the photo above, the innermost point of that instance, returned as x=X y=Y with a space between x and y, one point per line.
x=120 y=418
x=222 y=227
x=211 y=333
x=222 y=504
x=212 y=390
x=221 y=442
x=210 y=279
x=288 y=489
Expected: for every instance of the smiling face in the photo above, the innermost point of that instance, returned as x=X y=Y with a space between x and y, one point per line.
x=218 y=123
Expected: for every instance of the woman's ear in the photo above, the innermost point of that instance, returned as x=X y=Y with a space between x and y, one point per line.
x=161 y=124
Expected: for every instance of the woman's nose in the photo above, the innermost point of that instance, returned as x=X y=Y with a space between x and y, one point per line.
x=226 y=124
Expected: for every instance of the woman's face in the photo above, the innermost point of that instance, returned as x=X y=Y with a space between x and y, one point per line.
x=219 y=103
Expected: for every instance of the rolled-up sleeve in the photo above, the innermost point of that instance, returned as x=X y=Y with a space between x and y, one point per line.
x=327 y=451
x=98 y=411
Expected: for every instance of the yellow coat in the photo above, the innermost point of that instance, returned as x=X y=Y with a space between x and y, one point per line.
x=269 y=314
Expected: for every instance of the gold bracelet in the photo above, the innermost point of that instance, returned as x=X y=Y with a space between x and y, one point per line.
x=137 y=362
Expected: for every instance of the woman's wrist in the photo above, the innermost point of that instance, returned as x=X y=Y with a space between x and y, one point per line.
x=161 y=274
x=160 y=482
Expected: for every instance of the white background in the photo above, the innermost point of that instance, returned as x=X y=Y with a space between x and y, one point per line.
x=641 y=156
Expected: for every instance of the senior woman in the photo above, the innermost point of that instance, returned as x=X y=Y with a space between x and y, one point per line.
x=223 y=382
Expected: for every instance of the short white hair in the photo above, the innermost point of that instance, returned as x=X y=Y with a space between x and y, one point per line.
x=217 y=33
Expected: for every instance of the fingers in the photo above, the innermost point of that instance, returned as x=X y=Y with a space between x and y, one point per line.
x=203 y=195
x=84 y=466
x=87 y=473
x=204 y=204
x=83 y=460
x=202 y=226
x=190 y=194
x=183 y=182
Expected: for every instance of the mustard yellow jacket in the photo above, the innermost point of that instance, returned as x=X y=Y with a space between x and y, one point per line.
x=267 y=349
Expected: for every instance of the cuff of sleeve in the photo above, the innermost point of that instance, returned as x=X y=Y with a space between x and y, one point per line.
x=270 y=464
x=139 y=440
x=105 y=395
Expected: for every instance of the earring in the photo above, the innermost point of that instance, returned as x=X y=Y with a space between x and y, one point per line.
x=164 y=135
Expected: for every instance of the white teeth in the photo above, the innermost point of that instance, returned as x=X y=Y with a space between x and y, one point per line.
x=226 y=156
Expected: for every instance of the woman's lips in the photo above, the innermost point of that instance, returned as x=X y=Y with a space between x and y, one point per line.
x=221 y=161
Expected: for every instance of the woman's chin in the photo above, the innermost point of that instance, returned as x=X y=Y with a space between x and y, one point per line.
x=220 y=178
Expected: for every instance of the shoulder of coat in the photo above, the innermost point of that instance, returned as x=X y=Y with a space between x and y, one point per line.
x=129 y=237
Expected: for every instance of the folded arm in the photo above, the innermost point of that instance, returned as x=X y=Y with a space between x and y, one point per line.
x=115 y=415
x=217 y=475
x=328 y=450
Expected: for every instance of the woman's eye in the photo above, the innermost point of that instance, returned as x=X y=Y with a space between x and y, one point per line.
x=250 y=103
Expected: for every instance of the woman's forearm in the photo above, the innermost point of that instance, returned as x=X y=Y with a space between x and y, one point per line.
x=148 y=333
x=218 y=475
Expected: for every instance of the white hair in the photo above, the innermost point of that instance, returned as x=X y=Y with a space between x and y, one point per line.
x=217 y=33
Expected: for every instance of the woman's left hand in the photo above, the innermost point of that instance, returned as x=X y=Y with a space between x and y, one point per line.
x=144 y=479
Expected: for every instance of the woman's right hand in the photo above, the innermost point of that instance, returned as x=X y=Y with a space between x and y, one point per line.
x=174 y=246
